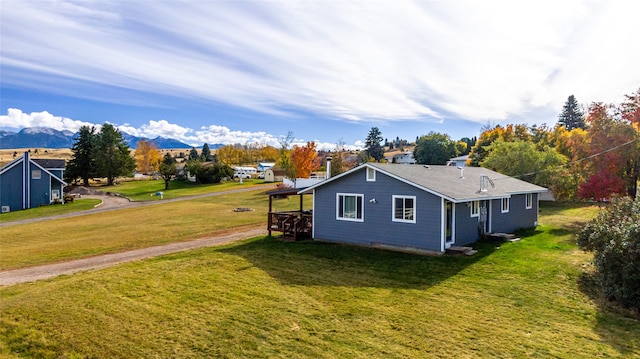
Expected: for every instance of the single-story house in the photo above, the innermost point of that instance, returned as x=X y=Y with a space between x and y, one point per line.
x=403 y=158
x=263 y=166
x=28 y=183
x=460 y=161
x=274 y=175
x=420 y=208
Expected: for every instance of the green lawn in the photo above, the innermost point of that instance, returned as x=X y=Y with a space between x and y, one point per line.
x=267 y=298
x=53 y=210
x=146 y=190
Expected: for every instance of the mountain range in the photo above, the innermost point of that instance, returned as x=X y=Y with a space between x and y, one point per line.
x=45 y=137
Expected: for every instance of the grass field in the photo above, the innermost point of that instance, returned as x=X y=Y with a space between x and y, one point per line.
x=53 y=210
x=145 y=190
x=133 y=228
x=267 y=298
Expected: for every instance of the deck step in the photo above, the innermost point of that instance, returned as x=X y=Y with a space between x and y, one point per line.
x=503 y=237
x=467 y=251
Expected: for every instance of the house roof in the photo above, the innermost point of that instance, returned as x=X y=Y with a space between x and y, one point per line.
x=447 y=182
x=49 y=163
x=38 y=164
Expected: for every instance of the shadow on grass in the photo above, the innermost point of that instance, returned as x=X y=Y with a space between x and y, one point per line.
x=311 y=263
x=616 y=326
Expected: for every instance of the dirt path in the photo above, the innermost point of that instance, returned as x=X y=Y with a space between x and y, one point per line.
x=31 y=274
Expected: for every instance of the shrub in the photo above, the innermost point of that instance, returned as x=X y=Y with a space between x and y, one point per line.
x=614 y=238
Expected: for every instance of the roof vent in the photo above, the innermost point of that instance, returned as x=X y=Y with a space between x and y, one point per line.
x=426 y=166
x=461 y=172
x=484 y=179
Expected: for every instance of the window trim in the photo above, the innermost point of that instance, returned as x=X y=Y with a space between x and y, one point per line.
x=372 y=177
x=359 y=197
x=528 y=200
x=393 y=208
x=475 y=205
x=504 y=205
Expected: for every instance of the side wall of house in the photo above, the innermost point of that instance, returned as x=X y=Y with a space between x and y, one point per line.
x=466 y=226
x=40 y=188
x=518 y=216
x=377 y=226
x=11 y=188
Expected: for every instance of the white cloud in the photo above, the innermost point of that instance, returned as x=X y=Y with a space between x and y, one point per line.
x=354 y=61
x=16 y=119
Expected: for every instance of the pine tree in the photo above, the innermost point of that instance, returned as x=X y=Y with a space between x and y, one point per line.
x=112 y=155
x=82 y=163
x=206 y=153
x=571 y=116
x=372 y=144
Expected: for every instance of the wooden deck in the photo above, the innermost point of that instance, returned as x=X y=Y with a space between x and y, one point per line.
x=296 y=225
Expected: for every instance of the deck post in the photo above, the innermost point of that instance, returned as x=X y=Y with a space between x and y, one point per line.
x=269 y=219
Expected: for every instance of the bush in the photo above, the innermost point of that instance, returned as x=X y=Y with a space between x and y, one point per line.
x=614 y=238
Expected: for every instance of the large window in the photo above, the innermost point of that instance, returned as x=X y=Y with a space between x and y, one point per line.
x=504 y=207
x=475 y=208
x=529 y=200
x=349 y=207
x=404 y=209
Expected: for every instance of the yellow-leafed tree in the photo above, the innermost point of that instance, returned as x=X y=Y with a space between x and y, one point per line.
x=148 y=157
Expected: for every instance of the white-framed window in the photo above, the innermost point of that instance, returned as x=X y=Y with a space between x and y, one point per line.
x=529 y=200
x=404 y=209
x=504 y=205
x=371 y=174
x=36 y=174
x=475 y=208
x=349 y=207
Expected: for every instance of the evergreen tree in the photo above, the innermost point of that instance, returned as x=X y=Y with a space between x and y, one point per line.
x=205 y=155
x=112 y=155
x=82 y=163
x=193 y=154
x=571 y=116
x=372 y=144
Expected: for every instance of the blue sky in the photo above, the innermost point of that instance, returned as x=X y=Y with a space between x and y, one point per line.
x=250 y=71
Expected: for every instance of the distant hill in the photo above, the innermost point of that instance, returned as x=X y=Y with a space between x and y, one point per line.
x=45 y=137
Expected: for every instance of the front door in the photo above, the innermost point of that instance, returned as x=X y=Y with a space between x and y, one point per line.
x=485 y=219
x=448 y=234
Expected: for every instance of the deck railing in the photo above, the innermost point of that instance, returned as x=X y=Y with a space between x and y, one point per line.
x=292 y=224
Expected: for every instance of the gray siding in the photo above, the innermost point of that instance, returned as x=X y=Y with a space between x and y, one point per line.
x=466 y=226
x=518 y=216
x=11 y=188
x=377 y=226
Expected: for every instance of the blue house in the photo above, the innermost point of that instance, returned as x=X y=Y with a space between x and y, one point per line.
x=420 y=208
x=28 y=183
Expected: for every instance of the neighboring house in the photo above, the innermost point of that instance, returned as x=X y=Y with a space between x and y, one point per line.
x=28 y=183
x=263 y=166
x=403 y=158
x=274 y=175
x=458 y=161
x=420 y=208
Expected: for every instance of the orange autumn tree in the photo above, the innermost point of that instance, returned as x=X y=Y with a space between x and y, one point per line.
x=148 y=157
x=305 y=160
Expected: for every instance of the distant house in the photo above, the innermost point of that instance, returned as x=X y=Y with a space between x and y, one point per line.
x=263 y=166
x=274 y=175
x=419 y=208
x=403 y=158
x=460 y=161
x=28 y=183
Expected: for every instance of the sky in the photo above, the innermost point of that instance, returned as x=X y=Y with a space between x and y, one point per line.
x=327 y=71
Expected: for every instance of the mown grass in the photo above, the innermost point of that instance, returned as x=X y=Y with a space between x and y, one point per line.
x=267 y=298
x=146 y=190
x=133 y=228
x=53 y=210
